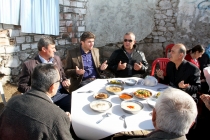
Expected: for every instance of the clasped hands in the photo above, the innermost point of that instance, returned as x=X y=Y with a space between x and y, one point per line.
x=122 y=66
x=181 y=83
x=82 y=71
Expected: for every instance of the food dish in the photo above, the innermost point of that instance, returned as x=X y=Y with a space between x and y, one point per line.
x=131 y=106
x=151 y=102
x=142 y=93
x=100 y=105
x=130 y=82
x=114 y=89
x=101 y=95
x=157 y=95
x=125 y=96
x=115 y=81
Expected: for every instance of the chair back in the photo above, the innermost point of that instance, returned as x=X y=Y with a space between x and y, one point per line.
x=168 y=49
x=162 y=64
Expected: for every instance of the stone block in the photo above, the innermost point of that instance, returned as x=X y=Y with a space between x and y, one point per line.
x=67 y=9
x=23 y=56
x=26 y=46
x=33 y=45
x=69 y=23
x=29 y=39
x=8 y=26
x=61 y=16
x=20 y=39
x=12 y=49
x=4 y=33
x=80 y=4
x=5 y=71
x=73 y=3
x=14 y=33
x=81 y=28
x=22 y=34
x=13 y=62
x=67 y=16
x=70 y=29
x=80 y=11
x=74 y=40
x=62 y=29
x=62 y=23
x=61 y=42
x=37 y=37
x=66 y=2
x=2 y=49
x=4 y=41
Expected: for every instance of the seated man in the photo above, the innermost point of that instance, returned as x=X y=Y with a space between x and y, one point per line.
x=46 y=47
x=33 y=116
x=180 y=73
x=174 y=113
x=128 y=61
x=82 y=63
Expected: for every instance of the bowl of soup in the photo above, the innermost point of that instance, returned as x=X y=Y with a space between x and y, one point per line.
x=131 y=106
x=114 y=89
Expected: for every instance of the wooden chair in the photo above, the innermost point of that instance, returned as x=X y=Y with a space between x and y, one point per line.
x=162 y=62
x=168 y=49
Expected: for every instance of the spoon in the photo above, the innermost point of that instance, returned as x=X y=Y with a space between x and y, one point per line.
x=89 y=91
x=104 y=116
x=123 y=118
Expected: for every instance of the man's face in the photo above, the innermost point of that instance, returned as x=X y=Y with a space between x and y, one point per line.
x=88 y=44
x=49 y=51
x=175 y=55
x=129 y=41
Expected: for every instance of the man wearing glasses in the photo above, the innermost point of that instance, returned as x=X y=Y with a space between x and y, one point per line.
x=128 y=61
x=33 y=116
x=46 y=48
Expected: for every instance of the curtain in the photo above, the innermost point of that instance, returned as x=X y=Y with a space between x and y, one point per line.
x=35 y=16
x=10 y=11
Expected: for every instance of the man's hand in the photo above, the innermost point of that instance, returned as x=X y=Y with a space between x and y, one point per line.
x=183 y=85
x=137 y=66
x=121 y=66
x=69 y=115
x=79 y=71
x=104 y=65
x=206 y=99
x=160 y=74
x=66 y=83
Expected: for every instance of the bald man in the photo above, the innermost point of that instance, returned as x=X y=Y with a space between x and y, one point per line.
x=180 y=73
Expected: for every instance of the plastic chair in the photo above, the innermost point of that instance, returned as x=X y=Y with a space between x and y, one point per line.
x=2 y=94
x=168 y=49
x=162 y=65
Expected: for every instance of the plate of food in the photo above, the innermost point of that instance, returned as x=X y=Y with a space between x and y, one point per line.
x=142 y=93
x=125 y=96
x=101 y=95
x=131 y=106
x=114 y=89
x=100 y=105
x=115 y=81
x=131 y=82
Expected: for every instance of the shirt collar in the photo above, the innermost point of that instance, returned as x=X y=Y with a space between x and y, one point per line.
x=45 y=61
x=82 y=51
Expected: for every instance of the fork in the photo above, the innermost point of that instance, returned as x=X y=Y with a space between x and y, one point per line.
x=123 y=118
x=89 y=91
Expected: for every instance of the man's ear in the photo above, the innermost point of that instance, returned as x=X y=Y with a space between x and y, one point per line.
x=43 y=49
x=154 y=117
x=52 y=89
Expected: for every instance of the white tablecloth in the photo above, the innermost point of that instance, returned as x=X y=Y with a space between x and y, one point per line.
x=84 y=118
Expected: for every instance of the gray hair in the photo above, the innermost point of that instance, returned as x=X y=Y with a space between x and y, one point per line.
x=175 y=111
x=45 y=41
x=44 y=75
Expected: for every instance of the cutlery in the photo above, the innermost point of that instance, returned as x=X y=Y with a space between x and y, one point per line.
x=89 y=91
x=104 y=116
x=123 y=118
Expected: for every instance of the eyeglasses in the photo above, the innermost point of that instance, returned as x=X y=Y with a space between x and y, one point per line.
x=129 y=40
x=56 y=82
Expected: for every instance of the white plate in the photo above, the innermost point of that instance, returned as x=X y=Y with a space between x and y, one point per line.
x=151 y=101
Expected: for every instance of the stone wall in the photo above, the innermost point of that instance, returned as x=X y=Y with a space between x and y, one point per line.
x=156 y=24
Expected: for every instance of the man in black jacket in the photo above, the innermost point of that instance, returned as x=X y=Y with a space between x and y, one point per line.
x=128 y=61
x=180 y=73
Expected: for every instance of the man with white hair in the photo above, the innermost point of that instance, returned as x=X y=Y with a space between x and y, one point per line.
x=173 y=115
